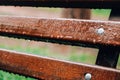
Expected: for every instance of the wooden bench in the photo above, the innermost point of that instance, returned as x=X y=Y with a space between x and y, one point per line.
x=104 y=35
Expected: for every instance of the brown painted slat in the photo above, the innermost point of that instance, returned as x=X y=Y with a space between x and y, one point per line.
x=74 y=32
x=52 y=69
x=64 y=3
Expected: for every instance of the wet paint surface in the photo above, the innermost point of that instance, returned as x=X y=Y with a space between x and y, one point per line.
x=52 y=69
x=81 y=31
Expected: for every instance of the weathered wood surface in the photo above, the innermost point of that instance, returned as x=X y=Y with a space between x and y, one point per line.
x=64 y=3
x=85 y=33
x=52 y=69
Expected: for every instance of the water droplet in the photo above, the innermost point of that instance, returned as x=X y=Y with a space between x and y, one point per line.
x=23 y=32
x=41 y=68
x=61 y=36
x=109 y=29
x=114 y=34
x=88 y=38
x=101 y=25
x=51 y=36
x=6 y=30
x=68 y=36
x=94 y=41
x=40 y=34
x=28 y=40
x=58 y=36
x=10 y=31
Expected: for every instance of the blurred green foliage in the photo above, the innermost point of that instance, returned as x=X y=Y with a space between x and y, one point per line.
x=104 y=12
x=10 y=76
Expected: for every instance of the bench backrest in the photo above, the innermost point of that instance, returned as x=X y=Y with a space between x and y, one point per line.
x=103 y=35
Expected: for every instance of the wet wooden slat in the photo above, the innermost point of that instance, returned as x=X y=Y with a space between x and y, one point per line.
x=52 y=69
x=64 y=3
x=74 y=32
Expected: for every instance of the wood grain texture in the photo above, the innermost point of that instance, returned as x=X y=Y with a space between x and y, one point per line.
x=64 y=3
x=52 y=69
x=65 y=31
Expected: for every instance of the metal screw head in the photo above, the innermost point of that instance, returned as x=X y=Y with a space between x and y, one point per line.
x=100 y=31
x=88 y=76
